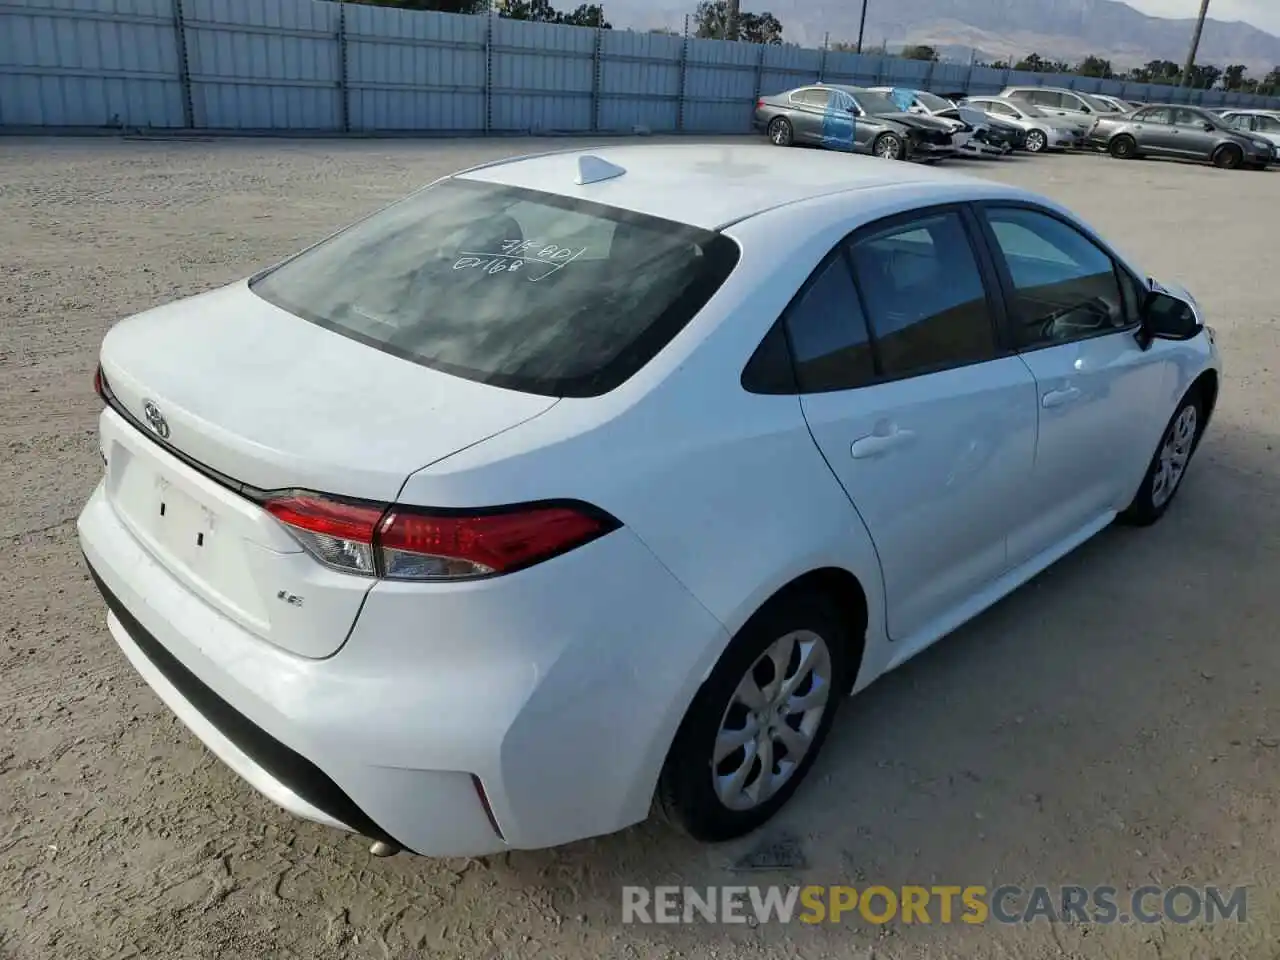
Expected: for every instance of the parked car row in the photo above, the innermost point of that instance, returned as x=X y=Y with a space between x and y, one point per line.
x=898 y=123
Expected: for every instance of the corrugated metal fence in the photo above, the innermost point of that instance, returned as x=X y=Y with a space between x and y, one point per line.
x=314 y=65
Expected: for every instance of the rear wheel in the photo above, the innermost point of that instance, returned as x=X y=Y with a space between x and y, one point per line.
x=780 y=132
x=1124 y=147
x=888 y=146
x=1036 y=141
x=1228 y=157
x=1169 y=465
x=759 y=720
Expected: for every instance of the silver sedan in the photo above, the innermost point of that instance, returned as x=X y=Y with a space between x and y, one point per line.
x=1043 y=132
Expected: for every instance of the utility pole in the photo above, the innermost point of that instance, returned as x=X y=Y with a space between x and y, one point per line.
x=731 y=19
x=1195 y=44
x=862 y=25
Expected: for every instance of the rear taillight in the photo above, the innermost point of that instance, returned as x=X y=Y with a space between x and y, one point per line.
x=760 y=104
x=337 y=533
x=406 y=543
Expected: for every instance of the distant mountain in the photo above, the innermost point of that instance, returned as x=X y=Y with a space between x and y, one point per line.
x=1057 y=29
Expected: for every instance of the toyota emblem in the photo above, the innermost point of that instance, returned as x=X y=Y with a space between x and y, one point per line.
x=155 y=419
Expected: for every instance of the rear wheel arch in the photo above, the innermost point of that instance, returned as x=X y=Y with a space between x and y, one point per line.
x=847 y=594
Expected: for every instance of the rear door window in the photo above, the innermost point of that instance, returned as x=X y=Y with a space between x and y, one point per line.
x=924 y=295
x=828 y=333
x=517 y=288
x=1045 y=98
x=814 y=98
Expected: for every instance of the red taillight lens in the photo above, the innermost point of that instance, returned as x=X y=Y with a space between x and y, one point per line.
x=760 y=104
x=402 y=543
x=418 y=546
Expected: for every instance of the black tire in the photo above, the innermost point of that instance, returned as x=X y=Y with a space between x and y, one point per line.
x=1124 y=147
x=1037 y=142
x=685 y=789
x=1147 y=507
x=889 y=146
x=1228 y=157
x=780 y=132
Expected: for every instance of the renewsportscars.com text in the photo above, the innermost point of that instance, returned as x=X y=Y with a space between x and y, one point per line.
x=936 y=904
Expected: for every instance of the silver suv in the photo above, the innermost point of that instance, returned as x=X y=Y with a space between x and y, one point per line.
x=1076 y=107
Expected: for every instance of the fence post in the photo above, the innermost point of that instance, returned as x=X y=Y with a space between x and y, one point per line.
x=596 y=73
x=822 y=61
x=684 y=71
x=760 y=70
x=488 y=71
x=344 y=102
x=184 y=67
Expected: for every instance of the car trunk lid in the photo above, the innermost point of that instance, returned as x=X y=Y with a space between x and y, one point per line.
x=222 y=397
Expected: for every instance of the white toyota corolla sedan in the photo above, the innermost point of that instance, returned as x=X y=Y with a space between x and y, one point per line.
x=574 y=480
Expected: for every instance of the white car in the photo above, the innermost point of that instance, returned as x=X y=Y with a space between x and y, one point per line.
x=573 y=480
x=1257 y=123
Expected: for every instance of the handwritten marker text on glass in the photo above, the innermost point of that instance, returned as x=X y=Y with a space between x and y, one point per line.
x=512 y=256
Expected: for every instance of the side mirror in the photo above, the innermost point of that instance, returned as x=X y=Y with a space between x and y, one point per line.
x=1167 y=318
x=1208 y=127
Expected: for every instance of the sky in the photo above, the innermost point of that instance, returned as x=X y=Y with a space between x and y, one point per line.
x=1264 y=14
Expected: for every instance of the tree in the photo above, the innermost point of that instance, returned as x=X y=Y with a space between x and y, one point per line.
x=587 y=15
x=1157 y=71
x=919 y=52
x=1204 y=76
x=442 y=6
x=712 y=22
x=1092 y=66
x=1031 y=64
x=1233 y=77
x=760 y=28
x=999 y=65
x=1271 y=82
x=541 y=11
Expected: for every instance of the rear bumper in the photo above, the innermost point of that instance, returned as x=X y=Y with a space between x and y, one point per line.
x=558 y=689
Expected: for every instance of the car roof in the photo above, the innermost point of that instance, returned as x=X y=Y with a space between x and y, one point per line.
x=706 y=185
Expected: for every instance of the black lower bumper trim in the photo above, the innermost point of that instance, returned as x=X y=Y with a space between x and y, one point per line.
x=287 y=766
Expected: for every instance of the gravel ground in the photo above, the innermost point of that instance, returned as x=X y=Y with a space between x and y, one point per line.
x=1114 y=722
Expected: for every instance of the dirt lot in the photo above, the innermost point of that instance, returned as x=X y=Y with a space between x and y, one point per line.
x=1115 y=722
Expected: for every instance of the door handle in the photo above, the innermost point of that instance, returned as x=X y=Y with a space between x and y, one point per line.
x=875 y=444
x=1059 y=398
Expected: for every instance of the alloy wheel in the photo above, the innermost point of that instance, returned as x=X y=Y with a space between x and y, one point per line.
x=889 y=148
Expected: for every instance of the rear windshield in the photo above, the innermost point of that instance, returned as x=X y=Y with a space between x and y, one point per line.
x=517 y=288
